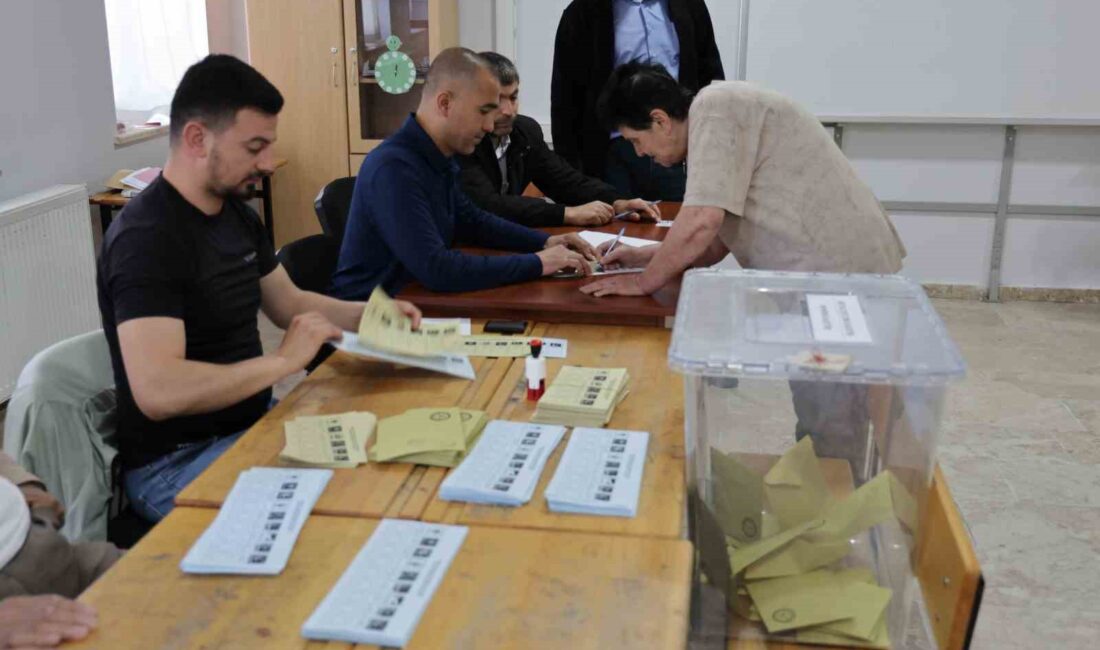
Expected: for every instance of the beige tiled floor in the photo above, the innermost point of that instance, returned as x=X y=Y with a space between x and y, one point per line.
x=1021 y=448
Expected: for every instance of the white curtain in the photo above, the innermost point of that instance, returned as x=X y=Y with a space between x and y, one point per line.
x=152 y=43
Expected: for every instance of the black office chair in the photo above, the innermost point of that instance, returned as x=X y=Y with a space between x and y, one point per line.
x=310 y=263
x=333 y=205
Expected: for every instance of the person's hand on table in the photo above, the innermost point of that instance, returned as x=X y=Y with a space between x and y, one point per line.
x=575 y=242
x=627 y=284
x=558 y=258
x=410 y=310
x=640 y=210
x=596 y=213
x=44 y=621
x=625 y=256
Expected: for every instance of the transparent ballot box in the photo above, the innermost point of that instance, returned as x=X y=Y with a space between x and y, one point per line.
x=811 y=416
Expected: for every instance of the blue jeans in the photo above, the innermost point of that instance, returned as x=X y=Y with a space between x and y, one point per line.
x=152 y=488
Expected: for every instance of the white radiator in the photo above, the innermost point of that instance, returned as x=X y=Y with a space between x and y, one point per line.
x=47 y=275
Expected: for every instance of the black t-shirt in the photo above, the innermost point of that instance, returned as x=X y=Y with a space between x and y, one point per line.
x=164 y=257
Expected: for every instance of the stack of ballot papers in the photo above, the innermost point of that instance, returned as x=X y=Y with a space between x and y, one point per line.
x=492 y=345
x=600 y=473
x=504 y=467
x=385 y=328
x=329 y=440
x=456 y=365
x=427 y=436
x=259 y=522
x=582 y=397
x=789 y=545
x=382 y=594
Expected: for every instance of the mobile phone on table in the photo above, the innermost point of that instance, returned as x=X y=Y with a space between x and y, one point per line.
x=505 y=327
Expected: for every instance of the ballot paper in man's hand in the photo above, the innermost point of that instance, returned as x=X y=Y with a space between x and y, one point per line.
x=383 y=326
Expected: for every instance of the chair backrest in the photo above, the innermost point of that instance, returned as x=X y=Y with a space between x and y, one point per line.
x=61 y=424
x=310 y=262
x=333 y=205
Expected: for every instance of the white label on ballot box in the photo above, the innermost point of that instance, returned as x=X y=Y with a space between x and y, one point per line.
x=382 y=594
x=837 y=319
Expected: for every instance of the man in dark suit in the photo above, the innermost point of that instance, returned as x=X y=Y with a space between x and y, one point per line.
x=596 y=36
x=515 y=154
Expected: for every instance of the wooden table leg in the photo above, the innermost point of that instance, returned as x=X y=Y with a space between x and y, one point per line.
x=105 y=218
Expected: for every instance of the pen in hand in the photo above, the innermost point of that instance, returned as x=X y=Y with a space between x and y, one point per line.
x=599 y=267
x=624 y=215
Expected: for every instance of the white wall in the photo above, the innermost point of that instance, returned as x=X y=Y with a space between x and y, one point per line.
x=1054 y=165
x=57 y=116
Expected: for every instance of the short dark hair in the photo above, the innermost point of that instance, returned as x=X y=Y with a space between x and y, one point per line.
x=454 y=64
x=634 y=89
x=214 y=89
x=503 y=68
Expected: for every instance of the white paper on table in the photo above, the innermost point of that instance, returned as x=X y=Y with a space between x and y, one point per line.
x=595 y=238
x=664 y=223
x=455 y=365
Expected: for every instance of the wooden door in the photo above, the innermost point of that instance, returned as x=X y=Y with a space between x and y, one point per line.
x=299 y=47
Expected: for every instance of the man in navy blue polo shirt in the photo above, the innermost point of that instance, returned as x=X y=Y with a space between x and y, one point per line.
x=409 y=210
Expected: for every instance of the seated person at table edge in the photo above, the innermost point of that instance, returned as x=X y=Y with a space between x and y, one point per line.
x=408 y=209
x=183 y=272
x=515 y=154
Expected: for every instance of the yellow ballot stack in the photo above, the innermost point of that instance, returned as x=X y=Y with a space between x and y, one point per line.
x=428 y=436
x=582 y=397
x=788 y=541
x=333 y=441
x=383 y=326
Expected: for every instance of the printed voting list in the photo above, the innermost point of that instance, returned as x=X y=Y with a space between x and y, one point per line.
x=259 y=522
x=385 y=328
x=489 y=345
x=595 y=238
x=329 y=440
x=504 y=467
x=600 y=473
x=384 y=591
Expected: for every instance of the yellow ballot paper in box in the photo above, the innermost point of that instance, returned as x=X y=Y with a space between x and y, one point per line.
x=794 y=487
x=738 y=497
x=845 y=602
x=383 y=326
x=334 y=441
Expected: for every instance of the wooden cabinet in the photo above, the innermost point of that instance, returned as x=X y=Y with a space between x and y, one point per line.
x=320 y=54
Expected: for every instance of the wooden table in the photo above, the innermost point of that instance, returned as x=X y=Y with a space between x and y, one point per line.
x=112 y=200
x=505 y=589
x=555 y=299
x=655 y=404
x=347 y=383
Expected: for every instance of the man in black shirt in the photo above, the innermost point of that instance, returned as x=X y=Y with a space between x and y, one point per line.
x=515 y=154
x=184 y=271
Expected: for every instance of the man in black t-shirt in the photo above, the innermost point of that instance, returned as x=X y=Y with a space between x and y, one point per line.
x=184 y=271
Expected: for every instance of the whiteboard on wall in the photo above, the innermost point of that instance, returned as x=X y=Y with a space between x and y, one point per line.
x=991 y=60
x=536 y=25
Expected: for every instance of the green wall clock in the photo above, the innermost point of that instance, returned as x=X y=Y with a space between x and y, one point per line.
x=394 y=70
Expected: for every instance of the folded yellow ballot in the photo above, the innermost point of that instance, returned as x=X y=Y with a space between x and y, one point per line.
x=333 y=441
x=383 y=326
x=738 y=497
x=746 y=555
x=428 y=436
x=841 y=599
x=794 y=487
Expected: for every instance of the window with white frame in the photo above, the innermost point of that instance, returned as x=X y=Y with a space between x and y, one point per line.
x=152 y=43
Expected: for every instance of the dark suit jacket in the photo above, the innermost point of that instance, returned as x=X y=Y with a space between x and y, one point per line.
x=584 y=54
x=528 y=160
